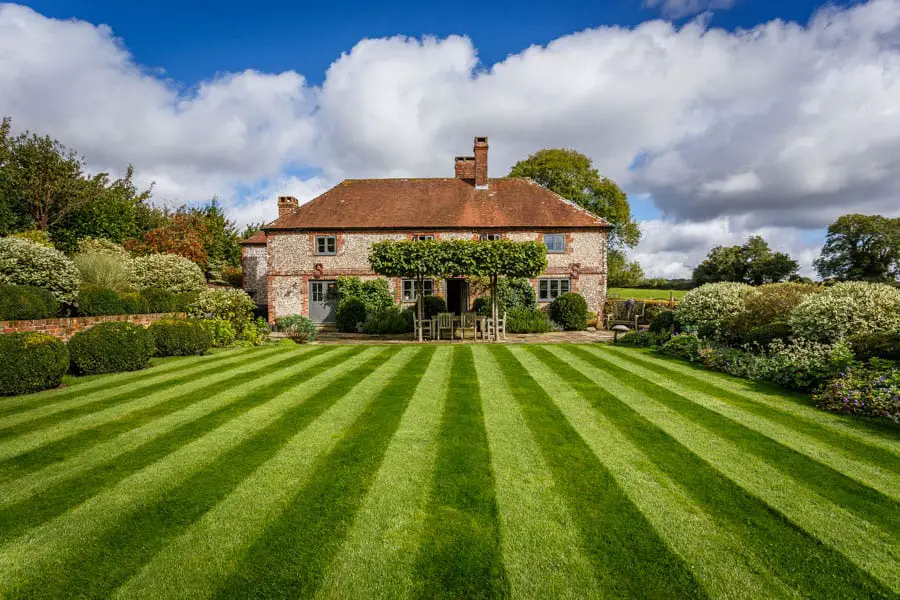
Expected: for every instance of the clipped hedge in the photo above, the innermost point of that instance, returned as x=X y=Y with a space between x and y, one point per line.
x=527 y=320
x=133 y=303
x=110 y=348
x=570 y=311
x=390 y=320
x=351 y=311
x=25 y=302
x=179 y=337
x=31 y=362
x=96 y=301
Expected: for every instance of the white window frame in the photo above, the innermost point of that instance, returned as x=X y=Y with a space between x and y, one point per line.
x=326 y=239
x=423 y=238
x=408 y=289
x=551 y=288
x=555 y=248
x=490 y=237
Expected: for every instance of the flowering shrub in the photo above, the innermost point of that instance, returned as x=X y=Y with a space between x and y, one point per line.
x=168 y=272
x=91 y=245
x=299 y=328
x=708 y=307
x=26 y=263
x=739 y=363
x=803 y=365
x=232 y=305
x=683 y=345
x=35 y=235
x=768 y=304
x=863 y=391
x=847 y=308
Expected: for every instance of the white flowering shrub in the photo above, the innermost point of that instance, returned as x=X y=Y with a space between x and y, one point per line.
x=168 y=272
x=845 y=309
x=708 y=307
x=101 y=246
x=23 y=262
x=228 y=304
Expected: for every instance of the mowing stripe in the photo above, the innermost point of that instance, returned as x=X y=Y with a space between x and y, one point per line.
x=217 y=406
x=865 y=544
x=44 y=416
x=84 y=386
x=290 y=558
x=195 y=564
x=541 y=548
x=59 y=540
x=376 y=560
x=68 y=446
x=120 y=553
x=643 y=535
x=826 y=427
x=801 y=561
x=460 y=556
x=16 y=519
x=834 y=482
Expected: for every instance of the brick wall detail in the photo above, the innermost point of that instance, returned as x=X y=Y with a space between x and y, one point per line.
x=66 y=328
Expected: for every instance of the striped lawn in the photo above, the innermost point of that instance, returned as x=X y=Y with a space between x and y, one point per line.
x=436 y=471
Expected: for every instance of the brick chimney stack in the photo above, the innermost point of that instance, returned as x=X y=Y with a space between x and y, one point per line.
x=465 y=167
x=287 y=205
x=481 y=163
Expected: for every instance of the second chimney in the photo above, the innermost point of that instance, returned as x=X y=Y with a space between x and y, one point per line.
x=481 y=163
x=465 y=167
x=286 y=205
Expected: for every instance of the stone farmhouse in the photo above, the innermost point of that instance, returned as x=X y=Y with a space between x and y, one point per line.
x=291 y=264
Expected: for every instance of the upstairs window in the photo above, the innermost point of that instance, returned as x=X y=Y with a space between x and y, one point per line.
x=423 y=238
x=491 y=237
x=409 y=289
x=326 y=244
x=551 y=289
x=555 y=242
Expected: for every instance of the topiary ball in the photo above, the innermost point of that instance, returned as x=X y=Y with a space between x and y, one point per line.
x=570 y=311
x=111 y=348
x=31 y=362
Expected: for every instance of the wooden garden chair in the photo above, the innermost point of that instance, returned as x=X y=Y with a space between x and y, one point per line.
x=426 y=325
x=469 y=320
x=497 y=332
x=625 y=315
x=444 y=322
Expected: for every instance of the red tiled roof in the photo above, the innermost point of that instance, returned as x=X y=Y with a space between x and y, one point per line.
x=425 y=204
x=257 y=239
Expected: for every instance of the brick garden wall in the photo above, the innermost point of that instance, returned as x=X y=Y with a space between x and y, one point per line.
x=66 y=328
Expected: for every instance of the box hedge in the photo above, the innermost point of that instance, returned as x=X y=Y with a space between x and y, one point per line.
x=31 y=362
x=96 y=301
x=570 y=311
x=25 y=302
x=179 y=337
x=110 y=348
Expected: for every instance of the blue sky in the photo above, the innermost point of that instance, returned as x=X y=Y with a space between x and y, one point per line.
x=749 y=116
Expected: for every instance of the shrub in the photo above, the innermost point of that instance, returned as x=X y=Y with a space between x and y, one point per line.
x=182 y=301
x=375 y=294
x=255 y=332
x=25 y=263
x=513 y=294
x=133 y=303
x=179 y=337
x=527 y=320
x=25 y=302
x=391 y=320
x=168 y=272
x=31 y=362
x=158 y=301
x=433 y=305
x=91 y=245
x=299 y=328
x=708 y=307
x=764 y=335
x=229 y=304
x=866 y=346
x=664 y=321
x=95 y=301
x=35 y=236
x=110 y=348
x=570 y=311
x=104 y=269
x=641 y=339
x=767 y=304
x=803 y=365
x=845 y=309
x=683 y=345
x=233 y=276
x=349 y=314
x=221 y=332
x=863 y=391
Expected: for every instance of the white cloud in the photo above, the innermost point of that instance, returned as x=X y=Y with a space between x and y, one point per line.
x=780 y=128
x=675 y=9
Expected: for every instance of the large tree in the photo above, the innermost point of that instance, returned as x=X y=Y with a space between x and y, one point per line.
x=861 y=247
x=621 y=272
x=753 y=263
x=572 y=175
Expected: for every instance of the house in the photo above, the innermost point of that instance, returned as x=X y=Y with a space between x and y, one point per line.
x=292 y=264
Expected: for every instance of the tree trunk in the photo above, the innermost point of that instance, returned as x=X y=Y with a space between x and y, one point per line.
x=420 y=301
x=495 y=312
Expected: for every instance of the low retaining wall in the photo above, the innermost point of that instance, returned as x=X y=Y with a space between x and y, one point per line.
x=66 y=328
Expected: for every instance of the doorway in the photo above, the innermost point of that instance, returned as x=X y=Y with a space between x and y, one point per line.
x=322 y=301
x=457 y=296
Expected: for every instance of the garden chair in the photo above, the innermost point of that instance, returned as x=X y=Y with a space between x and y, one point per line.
x=498 y=332
x=426 y=325
x=469 y=320
x=444 y=322
x=626 y=315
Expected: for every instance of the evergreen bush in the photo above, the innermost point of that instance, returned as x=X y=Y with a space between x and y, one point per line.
x=110 y=348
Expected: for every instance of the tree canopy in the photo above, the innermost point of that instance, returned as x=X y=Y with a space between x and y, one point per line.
x=861 y=247
x=753 y=263
x=572 y=175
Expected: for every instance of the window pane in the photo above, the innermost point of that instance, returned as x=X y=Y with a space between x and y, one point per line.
x=554 y=288
x=564 y=286
x=320 y=245
x=330 y=244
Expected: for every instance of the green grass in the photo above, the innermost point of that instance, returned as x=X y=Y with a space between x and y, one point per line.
x=477 y=471
x=644 y=294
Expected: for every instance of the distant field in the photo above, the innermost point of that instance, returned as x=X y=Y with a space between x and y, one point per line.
x=646 y=294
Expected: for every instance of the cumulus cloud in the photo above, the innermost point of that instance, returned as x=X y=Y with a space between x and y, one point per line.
x=780 y=128
x=676 y=9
